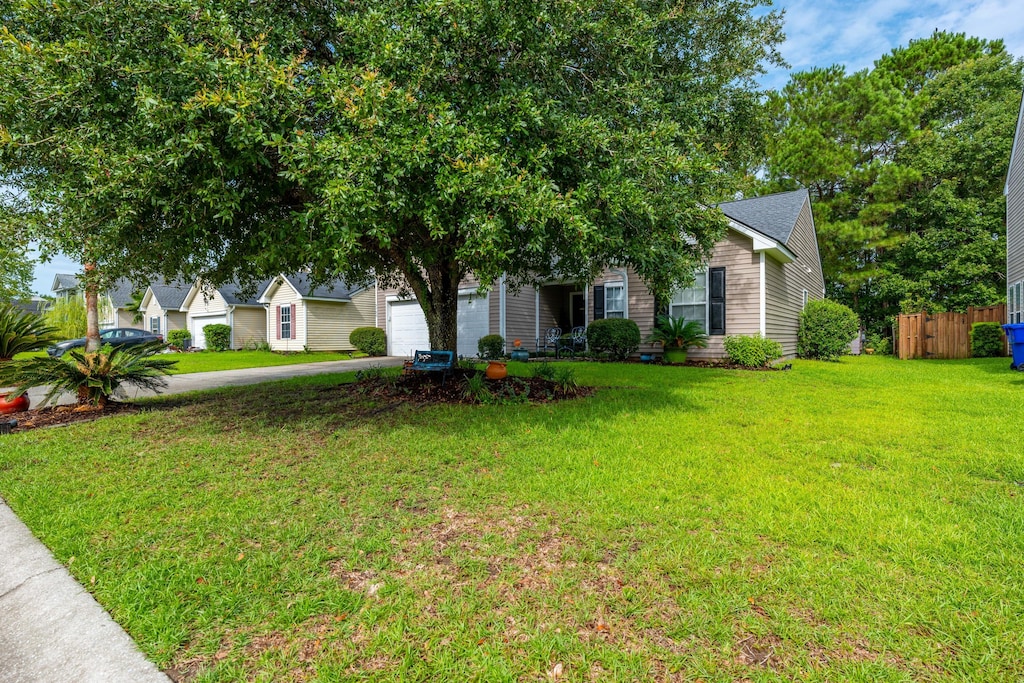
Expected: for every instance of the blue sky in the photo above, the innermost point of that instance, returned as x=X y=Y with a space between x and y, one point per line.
x=825 y=32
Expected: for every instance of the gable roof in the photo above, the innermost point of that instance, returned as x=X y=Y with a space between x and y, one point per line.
x=773 y=215
x=63 y=281
x=337 y=290
x=120 y=292
x=232 y=293
x=170 y=295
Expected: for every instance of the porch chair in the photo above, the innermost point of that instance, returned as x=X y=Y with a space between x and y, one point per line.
x=577 y=341
x=552 y=335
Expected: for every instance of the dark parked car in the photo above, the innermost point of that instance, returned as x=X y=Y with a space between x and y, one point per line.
x=118 y=336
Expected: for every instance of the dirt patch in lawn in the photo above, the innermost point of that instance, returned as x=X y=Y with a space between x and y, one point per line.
x=63 y=415
x=464 y=386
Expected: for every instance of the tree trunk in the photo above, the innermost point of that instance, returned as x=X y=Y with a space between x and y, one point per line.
x=437 y=291
x=92 y=312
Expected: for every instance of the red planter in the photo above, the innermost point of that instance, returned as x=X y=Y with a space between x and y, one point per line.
x=496 y=370
x=16 y=406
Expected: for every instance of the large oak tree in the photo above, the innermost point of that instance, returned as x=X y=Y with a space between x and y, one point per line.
x=413 y=141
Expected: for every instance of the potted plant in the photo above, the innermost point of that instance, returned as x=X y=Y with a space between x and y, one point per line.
x=20 y=332
x=677 y=336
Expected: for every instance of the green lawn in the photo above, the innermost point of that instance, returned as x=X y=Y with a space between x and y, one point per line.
x=209 y=361
x=861 y=521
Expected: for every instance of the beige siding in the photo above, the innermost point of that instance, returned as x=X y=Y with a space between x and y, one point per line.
x=175 y=320
x=742 y=266
x=153 y=310
x=286 y=296
x=1015 y=208
x=785 y=284
x=207 y=302
x=521 y=318
x=330 y=324
x=126 y=318
x=248 y=326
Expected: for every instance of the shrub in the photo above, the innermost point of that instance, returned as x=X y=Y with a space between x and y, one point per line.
x=826 y=330
x=94 y=377
x=370 y=340
x=618 y=337
x=754 y=351
x=678 y=333
x=491 y=346
x=179 y=338
x=218 y=337
x=21 y=332
x=986 y=340
x=879 y=345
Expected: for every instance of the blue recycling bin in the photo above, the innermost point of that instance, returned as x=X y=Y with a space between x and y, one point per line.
x=1015 y=338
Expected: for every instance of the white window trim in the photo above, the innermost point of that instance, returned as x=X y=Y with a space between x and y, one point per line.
x=625 y=304
x=155 y=319
x=707 y=307
x=290 y=336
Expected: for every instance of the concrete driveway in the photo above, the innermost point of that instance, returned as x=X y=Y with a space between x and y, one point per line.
x=179 y=384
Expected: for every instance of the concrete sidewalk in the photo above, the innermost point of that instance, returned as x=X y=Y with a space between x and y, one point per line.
x=51 y=629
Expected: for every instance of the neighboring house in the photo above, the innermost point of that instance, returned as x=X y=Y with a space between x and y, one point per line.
x=116 y=309
x=1014 y=191
x=300 y=316
x=163 y=306
x=65 y=286
x=35 y=305
x=760 y=276
x=226 y=305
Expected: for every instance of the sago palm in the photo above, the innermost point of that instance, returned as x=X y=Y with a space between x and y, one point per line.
x=678 y=333
x=22 y=332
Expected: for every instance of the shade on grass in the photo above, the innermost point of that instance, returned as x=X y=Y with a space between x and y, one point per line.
x=859 y=520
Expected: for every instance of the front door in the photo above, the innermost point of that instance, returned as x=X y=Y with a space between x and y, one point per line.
x=577 y=309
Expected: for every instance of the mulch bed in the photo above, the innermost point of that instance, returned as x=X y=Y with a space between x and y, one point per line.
x=422 y=387
x=64 y=415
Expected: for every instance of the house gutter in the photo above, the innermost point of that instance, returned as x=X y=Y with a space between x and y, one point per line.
x=763 y=302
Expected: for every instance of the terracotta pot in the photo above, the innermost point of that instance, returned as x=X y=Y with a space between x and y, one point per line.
x=496 y=370
x=16 y=406
x=675 y=355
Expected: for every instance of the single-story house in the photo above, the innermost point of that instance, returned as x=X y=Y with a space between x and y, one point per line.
x=117 y=309
x=301 y=316
x=759 y=277
x=163 y=306
x=1014 y=191
x=230 y=305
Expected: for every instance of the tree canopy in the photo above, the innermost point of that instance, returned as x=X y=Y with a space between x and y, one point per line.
x=412 y=141
x=905 y=163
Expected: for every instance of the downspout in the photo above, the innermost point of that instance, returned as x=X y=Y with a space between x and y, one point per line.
x=763 y=301
x=305 y=323
x=231 y=324
x=376 y=303
x=501 y=310
x=536 y=318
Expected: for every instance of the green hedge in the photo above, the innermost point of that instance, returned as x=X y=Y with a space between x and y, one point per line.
x=754 y=351
x=986 y=340
x=218 y=337
x=618 y=337
x=826 y=330
x=370 y=340
x=178 y=338
x=491 y=346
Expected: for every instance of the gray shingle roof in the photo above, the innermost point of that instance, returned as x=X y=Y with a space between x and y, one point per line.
x=120 y=292
x=337 y=289
x=170 y=295
x=773 y=215
x=232 y=293
x=65 y=281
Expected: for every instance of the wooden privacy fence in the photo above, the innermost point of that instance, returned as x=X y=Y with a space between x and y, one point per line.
x=943 y=335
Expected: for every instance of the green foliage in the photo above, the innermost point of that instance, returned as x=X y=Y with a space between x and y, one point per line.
x=417 y=142
x=67 y=316
x=218 y=337
x=986 y=340
x=16 y=266
x=752 y=351
x=905 y=164
x=879 y=345
x=476 y=388
x=370 y=340
x=826 y=329
x=178 y=337
x=21 y=332
x=544 y=369
x=565 y=380
x=491 y=346
x=618 y=337
x=678 y=333
x=94 y=377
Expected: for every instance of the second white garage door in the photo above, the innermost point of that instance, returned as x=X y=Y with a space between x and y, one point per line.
x=407 y=327
x=198 y=338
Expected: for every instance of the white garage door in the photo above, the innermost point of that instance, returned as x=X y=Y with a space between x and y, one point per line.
x=198 y=338
x=408 y=326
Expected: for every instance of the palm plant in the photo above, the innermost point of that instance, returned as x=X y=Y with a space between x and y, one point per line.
x=22 y=332
x=677 y=335
x=94 y=377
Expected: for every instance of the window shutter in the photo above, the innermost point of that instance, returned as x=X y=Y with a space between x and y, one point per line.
x=598 y=302
x=716 y=301
x=278 y=322
x=292 y=326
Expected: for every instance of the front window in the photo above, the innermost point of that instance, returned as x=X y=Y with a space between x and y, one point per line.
x=691 y=303
x=286 y=322
x=154 y=325
x=614 y=300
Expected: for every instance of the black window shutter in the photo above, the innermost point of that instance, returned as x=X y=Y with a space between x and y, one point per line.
x=716 y=302
x=598 y=302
